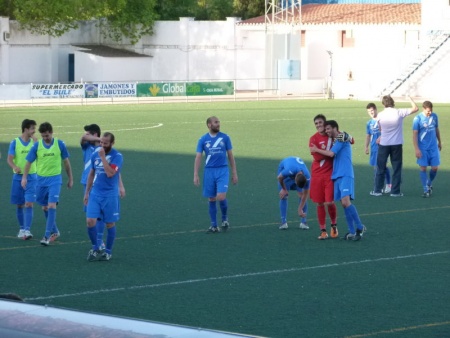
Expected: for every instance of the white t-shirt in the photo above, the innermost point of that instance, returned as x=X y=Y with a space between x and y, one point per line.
x=391 y=124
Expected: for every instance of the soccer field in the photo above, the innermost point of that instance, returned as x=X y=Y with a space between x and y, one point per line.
x=254 y=279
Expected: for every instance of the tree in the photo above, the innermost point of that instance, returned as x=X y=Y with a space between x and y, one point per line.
x=246 y=9
x=129 y=18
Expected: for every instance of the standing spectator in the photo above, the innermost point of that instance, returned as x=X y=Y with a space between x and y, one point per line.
x=293 y=175
x=372 y=135
x=343 y=179
x=23 y=198
x=48 y=153
x=217 y=147
x=427 y=145
x=391 y=144
x=102 y=198
x=321 y=190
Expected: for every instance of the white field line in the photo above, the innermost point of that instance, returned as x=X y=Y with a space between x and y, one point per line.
x=236 y=276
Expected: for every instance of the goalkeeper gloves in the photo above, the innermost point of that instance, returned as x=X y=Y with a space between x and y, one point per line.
x=344 y=137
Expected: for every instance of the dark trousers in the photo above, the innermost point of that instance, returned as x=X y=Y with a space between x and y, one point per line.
x=395 y=153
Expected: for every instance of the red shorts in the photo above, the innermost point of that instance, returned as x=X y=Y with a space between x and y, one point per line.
x=321 y=189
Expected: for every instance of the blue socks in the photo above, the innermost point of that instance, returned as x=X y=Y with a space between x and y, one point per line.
x=19 y=214
x=92 y=233
x=352 y=217
x=283 y=210
x=213 y=213
x=28 y=218
x=224 y=209
x=110 y=239
x=305 y=210
x=100 y=227
x=51 y=218
x=433 y=174
x=423 y=180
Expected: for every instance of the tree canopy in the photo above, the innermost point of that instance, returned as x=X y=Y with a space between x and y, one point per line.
x=120 y=18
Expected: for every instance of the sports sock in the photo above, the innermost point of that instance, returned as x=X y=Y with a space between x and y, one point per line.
x=224 y=209
x=92 y=233
x=355 y=216
x=388 y=176
x=349 y=218
x=100 y=226
x=423 y=179
x=110 y=239
x=283 y=209
x=50 y=222
x=19 y=214
x=332 y=212
x=433 y=174
x=28 y=218
x=213 y=213
x=321 y=216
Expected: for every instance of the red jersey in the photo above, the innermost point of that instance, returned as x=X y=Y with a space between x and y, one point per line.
x=321 y=165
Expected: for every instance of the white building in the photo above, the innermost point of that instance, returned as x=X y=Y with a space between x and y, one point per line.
x=365 y=47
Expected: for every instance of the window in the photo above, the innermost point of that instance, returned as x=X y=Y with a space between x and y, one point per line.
x=347 y=39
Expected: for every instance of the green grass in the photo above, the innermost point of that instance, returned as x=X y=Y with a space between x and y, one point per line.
x=254 y=279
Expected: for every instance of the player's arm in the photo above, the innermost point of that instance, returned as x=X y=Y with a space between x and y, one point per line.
x=416 y=144
x=87 y=137
x=303 y=200
x=283 y=192
x=68 y=169
x=367 y=143
x=197 y=163
x=328 y=153
x=89 y=182
x=234 y=176
x=26 y=170
x=414 y=108
x=438 y=136
x=10 y=161
x=121 y=187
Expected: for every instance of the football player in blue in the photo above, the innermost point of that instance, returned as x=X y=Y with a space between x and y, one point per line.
x=90 y=142
x=102 y=198
x=217 y=148
x=343 y=178
x=427 y=145
x=23 y=198
x=48 y=153
x=293 y=175
x=372 y=134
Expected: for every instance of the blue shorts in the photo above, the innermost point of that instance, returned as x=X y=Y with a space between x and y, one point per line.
x=20 y=195
x=430 y=157
x=105 y=208
x=215 y=181
x=48 y=194
x=290 y=185
x=344 y=186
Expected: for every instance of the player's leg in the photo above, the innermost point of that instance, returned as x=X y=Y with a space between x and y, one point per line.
x=347 y=193
x=435 y=161
x=30 y=198
x=317 y=195
x=210 y=191
x=53 y=199
x=331 y=207
x=110 y=210
x=382 y=157
x=222 y=189
x=17 y=198
x=93 y=211
x=396 y=154
x=303 y=220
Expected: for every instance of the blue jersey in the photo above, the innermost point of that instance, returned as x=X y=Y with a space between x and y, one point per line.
x=215 y=149
x=12 y=151
x=88 y=149
x=426 y=127
x=103 y=185
x=32 y=156
x=291 y=166
x=373 y=129
x=342 y=164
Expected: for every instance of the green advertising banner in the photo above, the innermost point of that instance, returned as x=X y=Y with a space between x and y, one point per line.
x=185 y=89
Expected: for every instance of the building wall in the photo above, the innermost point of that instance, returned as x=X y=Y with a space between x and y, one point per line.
x=185 y=50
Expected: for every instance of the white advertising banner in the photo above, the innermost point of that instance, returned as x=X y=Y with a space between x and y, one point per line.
x=117 y=89
x=57 y=91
